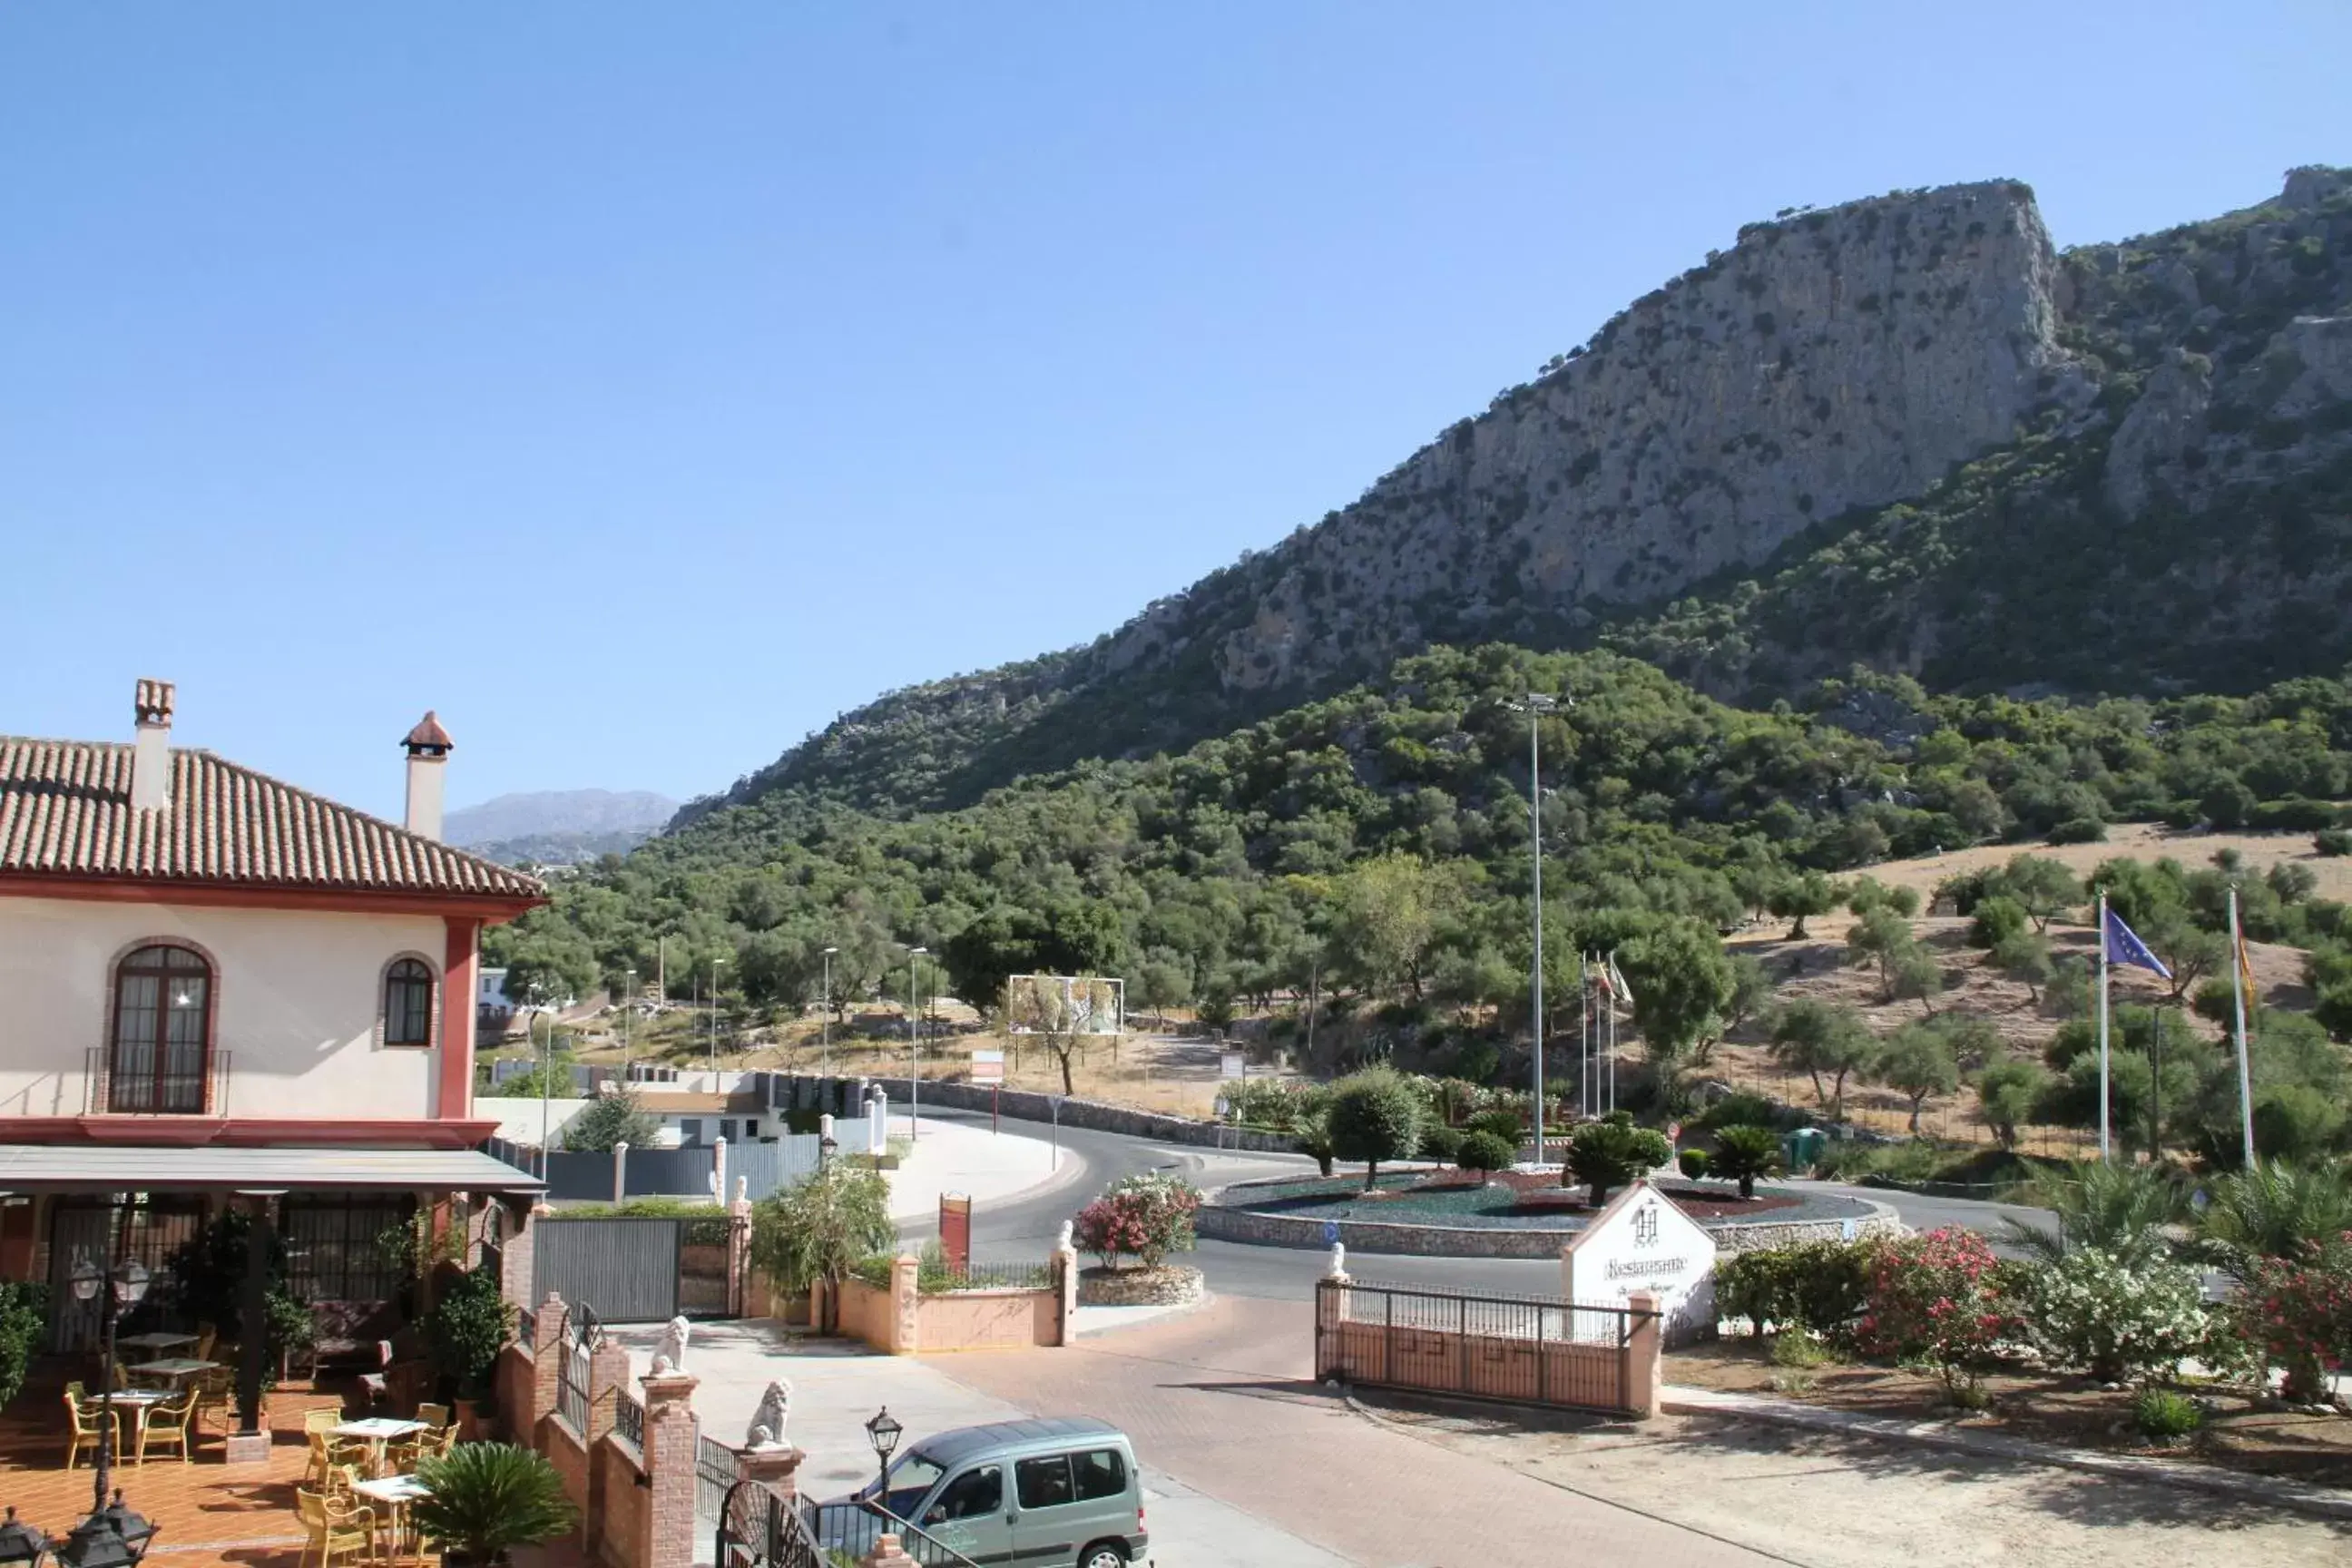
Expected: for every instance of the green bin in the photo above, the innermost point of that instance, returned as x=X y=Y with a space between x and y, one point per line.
x=1802 y=1147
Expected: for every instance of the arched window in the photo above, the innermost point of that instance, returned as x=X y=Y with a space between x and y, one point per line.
x=163 y=1031
x=408 y=1003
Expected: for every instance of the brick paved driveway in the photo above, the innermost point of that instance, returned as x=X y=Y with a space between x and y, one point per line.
x=1220 y=1399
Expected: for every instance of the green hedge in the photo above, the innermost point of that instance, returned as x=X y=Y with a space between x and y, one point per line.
x=1816 y=1285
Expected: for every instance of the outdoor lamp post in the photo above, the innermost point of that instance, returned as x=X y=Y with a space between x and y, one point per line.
x=109 y=1535
x=883 y=1433
x=1534 y=705
x=824 y=1015
x=914 y=1054
x=20 y=1542
x=628 y=1024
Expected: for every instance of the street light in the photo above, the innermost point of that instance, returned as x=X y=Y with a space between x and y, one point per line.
x=106 y=1538
x=628 y=1024
x=1534 y=705
x=914 y=1055
x=20 y=1542
x=824 y=1017
x=714 y=1022
x=883 y=1433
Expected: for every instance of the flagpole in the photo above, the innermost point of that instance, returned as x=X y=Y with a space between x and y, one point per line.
x=2102 y=1025
x=1612 y=1030
x=1584 y=1036
x=2237 y=1005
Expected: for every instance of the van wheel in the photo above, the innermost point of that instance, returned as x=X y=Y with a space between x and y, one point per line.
x=1104 y=1554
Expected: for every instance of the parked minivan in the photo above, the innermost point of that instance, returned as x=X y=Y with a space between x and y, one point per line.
x=1050 y=1493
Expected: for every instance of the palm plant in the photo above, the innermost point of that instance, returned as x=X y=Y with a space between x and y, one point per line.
x=489 y=1498
x=2118 y=1209
x=1743 y=1153
x=2278 y=1210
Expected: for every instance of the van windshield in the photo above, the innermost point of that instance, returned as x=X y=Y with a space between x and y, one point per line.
x=911 y=1480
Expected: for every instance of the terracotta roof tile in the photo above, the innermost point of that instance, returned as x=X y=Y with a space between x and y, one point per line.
x=65 y=810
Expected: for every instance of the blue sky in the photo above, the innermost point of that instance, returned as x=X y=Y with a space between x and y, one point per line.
x=642 y=385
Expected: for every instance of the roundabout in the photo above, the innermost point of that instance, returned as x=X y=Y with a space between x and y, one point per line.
x=1522 y=1215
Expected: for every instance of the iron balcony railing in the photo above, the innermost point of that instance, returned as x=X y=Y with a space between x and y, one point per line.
x=851 y=1529
x=629 y=1418
x=124 y=1082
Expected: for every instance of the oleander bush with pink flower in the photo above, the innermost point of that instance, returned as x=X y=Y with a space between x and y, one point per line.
x=1146 y=1217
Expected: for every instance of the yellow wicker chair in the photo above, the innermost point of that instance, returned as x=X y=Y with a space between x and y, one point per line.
x=169 y=1425
x=338 y=1528
x=83 y=1431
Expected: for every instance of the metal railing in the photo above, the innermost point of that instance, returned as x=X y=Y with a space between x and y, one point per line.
x=572 y=1387
x=716 y=1474
x=851 y=1529
x=1528 y=1350
x=527 y=1328
x=185 y=1088
x=629 y=1418
x=758 y=1528
x=987 y=1277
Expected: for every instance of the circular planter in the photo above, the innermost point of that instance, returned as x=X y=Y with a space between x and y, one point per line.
x=1272 y=1213
x=1170 y=1285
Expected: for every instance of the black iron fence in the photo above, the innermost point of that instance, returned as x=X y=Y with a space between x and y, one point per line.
x=849 y=1530
x=716 y=1474
x=987 y=1277
x=757 y=1529
x=1523 y=1349
x=629 y=1418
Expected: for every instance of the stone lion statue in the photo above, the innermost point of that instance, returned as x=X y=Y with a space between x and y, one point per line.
x=670 y=1353
x=767 y=1421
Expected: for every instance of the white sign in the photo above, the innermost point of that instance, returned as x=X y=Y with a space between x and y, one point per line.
x=988 y=1067
x=1232 y=1063
x=1641 y=1242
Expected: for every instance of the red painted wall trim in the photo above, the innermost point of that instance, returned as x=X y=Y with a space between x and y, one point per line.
x=489 y=909
x=460 y=972
x=193 y=1131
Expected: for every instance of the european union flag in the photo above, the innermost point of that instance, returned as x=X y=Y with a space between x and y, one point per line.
x=2123 y=946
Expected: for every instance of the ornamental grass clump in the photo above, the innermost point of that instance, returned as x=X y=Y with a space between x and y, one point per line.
x=1937 y=1298
x=2164 y=1416
x=2095 y=1311
x=1147 y=1216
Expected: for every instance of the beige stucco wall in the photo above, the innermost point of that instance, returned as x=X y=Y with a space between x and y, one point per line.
x=297 y=999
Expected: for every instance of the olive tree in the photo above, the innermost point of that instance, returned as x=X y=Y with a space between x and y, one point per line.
x=1374 y=1115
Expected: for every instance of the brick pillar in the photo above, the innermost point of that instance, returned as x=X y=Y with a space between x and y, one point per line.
x=547 y=1345
x=1065 y=1290
x=667 y=1532
x=772 y=1466
x=515 y=1251
x=906 y=1298
x=1645 y=1365
x=886 y=1554
x=738 y=1250
x=608 y=1374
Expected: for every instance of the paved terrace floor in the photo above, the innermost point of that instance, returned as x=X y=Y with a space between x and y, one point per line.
x=210 y=1515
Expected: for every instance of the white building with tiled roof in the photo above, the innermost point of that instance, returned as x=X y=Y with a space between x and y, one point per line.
x=203 y=967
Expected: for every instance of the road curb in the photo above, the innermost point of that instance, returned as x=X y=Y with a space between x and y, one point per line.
x=2323 y=1502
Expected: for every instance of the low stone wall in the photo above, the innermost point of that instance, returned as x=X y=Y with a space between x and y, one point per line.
x=864 y=1314
x=986 y=1320
x=1217 y=1219
x=1027 y=1105
x=1171 y=1285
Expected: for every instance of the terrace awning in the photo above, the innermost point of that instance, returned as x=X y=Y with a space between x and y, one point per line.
x=85 y=1168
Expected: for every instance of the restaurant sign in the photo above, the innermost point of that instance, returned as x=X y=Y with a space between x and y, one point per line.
x=1641 y=1241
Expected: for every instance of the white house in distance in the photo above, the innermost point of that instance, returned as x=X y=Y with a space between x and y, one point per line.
x=693 y=1110
x=217 y=988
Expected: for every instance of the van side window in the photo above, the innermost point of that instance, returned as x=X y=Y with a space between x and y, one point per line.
x=975 y=1494
x=1043 y=1482
x=1100 y=1472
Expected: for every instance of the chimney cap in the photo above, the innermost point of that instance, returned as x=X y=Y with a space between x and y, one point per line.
x=153 y=700
x=428 y=738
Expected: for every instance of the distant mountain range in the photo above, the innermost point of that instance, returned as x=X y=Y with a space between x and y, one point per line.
x=561 y=826
x=1906 y=432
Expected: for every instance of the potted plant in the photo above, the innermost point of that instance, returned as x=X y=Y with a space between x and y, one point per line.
x=489 y=1499
x=464 y=1333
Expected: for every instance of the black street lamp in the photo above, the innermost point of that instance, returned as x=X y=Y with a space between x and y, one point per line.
x=20 y=1542
x=883 y=1433
x=115 y=1535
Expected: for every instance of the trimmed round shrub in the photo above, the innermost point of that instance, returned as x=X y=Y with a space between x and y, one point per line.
x=1441 y=1143
x=1693 y=1162
x=1485 y=1151
x=1375 y=1115
x=1507 y=1125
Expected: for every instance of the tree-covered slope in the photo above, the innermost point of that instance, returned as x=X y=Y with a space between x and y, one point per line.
x=1901 y=432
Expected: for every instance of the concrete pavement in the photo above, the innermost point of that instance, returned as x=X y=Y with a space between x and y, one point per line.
x=838 y=1386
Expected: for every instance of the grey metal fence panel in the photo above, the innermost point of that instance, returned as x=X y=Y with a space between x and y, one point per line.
x=649 y=1173
x=627 y=1269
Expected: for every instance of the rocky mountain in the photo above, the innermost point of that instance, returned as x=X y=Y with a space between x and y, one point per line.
x=557 y=826
x=1902 y=432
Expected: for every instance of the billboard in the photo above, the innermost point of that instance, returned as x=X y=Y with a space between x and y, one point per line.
x=1065 y=1004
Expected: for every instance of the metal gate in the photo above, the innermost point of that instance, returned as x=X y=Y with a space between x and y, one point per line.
x=627 y=1268
x=757 y=1529
x=1523 y=1349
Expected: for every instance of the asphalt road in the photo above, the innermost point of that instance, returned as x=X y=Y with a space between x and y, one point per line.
x=1023 y=1228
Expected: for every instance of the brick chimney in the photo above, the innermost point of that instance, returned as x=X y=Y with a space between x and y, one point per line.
x=151 y=750
x=428 y=752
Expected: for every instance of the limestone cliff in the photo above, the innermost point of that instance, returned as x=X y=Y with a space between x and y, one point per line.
x=1821 y=391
